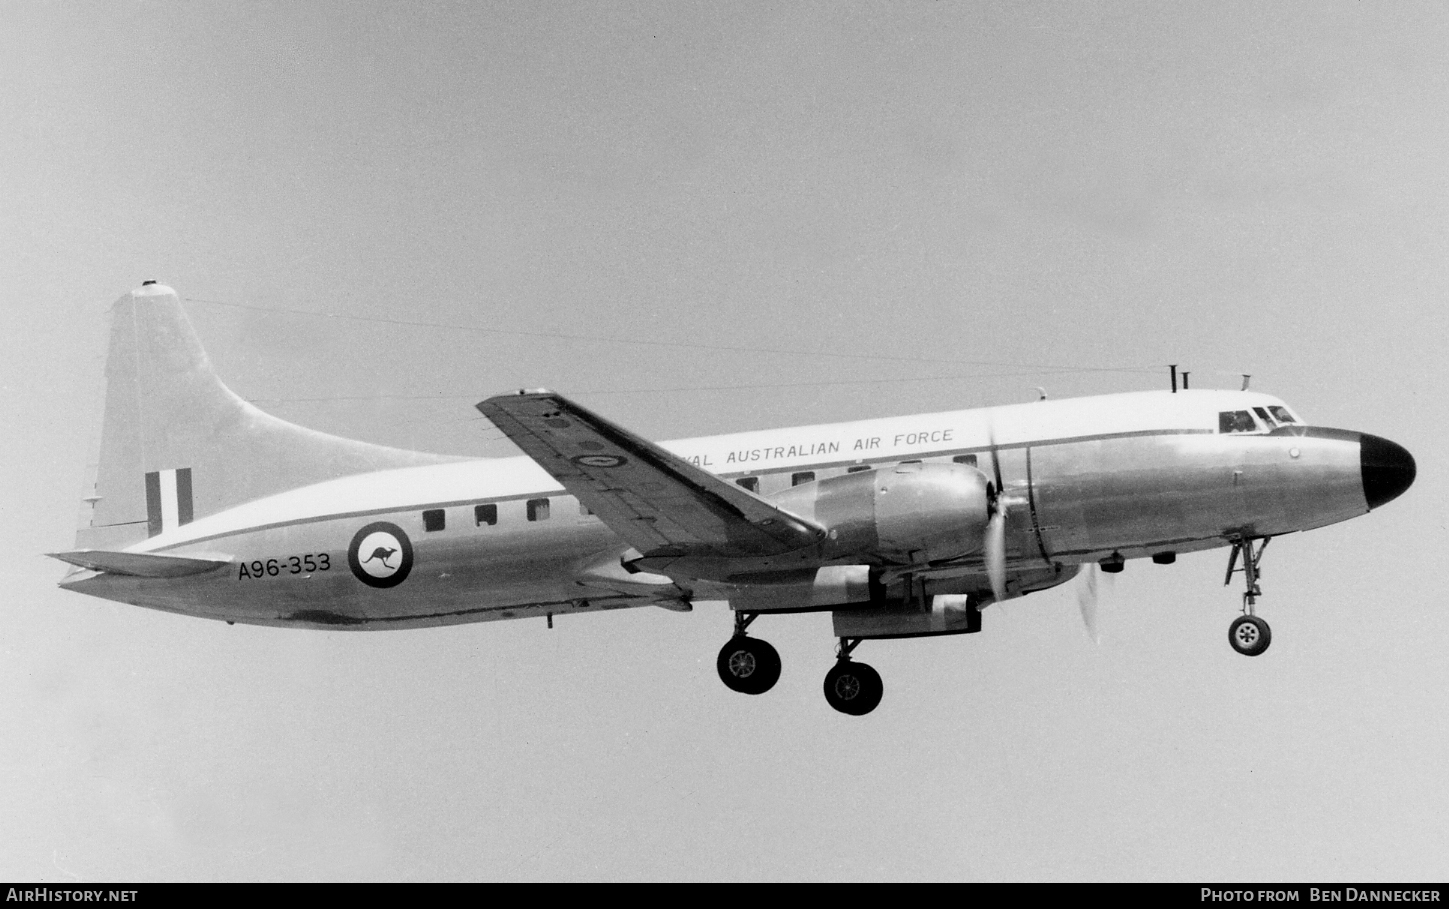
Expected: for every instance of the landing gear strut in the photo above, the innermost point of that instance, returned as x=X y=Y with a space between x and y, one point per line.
x=748 y=665
x=1248 y=634
x=850 y=687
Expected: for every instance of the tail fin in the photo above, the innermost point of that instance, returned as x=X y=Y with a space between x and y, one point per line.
x=177 y=444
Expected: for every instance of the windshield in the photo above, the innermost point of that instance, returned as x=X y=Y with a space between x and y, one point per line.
x=1281 y=414
x=1237 y=421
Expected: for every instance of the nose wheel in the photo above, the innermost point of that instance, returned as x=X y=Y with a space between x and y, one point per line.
x=1248 y=634
x=748 y=665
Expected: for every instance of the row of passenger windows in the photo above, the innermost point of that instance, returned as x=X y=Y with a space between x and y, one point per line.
x=808 y=476
x=435 y=519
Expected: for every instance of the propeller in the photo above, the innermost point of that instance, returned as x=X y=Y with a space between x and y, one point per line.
x=1087 y=601
x=997 y=505
x=996 y=545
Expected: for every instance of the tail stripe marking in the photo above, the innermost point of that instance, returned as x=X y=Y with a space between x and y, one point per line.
x=153 y=504
x=168 y=500
x=183 y=496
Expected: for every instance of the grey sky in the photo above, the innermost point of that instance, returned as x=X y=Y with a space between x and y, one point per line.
x=913 y=188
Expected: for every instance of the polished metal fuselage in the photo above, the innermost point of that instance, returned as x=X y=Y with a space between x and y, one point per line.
x=1177 y=492
x=1111 y=477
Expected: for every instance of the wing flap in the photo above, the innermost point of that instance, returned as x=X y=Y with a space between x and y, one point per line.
x=138 y=564
x=658 y=502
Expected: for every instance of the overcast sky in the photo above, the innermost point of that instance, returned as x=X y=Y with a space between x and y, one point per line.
x=703 y=218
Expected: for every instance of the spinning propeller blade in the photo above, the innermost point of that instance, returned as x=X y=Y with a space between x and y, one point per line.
x=996 y=524
x=1087 y=602
x=996 y=549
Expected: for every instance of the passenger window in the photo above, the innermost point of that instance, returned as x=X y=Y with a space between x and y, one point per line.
x=750 y=483
x=538 y=509
x=1282 y=414
x=968 y=460
x=804 y=476
x=1236 y=421
x=485 y=514
x=859 y=468
x=434 y=519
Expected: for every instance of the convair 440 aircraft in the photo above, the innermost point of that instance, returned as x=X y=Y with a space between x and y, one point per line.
x=902 y=527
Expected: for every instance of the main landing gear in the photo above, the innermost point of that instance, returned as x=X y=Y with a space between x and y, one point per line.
x=1248 y=634
x=751 y=666
x=748 y=665
x=850 y=687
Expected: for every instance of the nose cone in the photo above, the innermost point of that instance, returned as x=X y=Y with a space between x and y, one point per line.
x=1388 y=469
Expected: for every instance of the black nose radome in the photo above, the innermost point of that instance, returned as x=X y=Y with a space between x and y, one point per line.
x=1388 y=469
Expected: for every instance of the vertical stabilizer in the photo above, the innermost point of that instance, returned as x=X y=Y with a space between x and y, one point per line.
x=177 y=444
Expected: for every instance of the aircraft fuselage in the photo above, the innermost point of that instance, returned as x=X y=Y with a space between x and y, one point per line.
x=1102 y=478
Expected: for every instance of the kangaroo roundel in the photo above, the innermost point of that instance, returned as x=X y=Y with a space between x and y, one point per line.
x=380 y=555
x=601 y=460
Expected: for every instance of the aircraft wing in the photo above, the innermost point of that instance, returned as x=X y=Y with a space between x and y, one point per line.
x=659 y=503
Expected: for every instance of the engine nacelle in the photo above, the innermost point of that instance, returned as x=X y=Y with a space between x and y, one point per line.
x=807 y=589
x=898 y=614
x=910 y=513
x=941 y=614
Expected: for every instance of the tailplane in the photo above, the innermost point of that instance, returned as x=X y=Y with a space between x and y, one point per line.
x=139 y=564
x=177 y=444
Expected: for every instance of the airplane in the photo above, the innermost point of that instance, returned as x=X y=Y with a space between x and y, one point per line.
x=902 y=527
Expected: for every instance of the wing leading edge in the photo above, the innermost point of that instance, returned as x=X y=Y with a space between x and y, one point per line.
x=662 y=505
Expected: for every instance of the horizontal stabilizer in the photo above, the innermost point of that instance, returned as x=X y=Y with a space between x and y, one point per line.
x=139 y=564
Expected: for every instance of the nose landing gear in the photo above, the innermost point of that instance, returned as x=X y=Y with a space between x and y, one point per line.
x=1248 y=634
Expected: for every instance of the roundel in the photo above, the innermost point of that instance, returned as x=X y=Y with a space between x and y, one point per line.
x=600 y=460
x=380 y=555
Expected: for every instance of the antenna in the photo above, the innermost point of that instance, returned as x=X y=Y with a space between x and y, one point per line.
x=1173 y=367
x=1185 y=374
x=1246 y=378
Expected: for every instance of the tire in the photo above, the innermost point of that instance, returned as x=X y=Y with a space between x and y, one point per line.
x=853 y=688
x=748 y=665
x=1249 y=635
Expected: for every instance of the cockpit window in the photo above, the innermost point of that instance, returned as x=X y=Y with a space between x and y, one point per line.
x=1236 y=421
x=1282 y=414
x=1263 y=415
